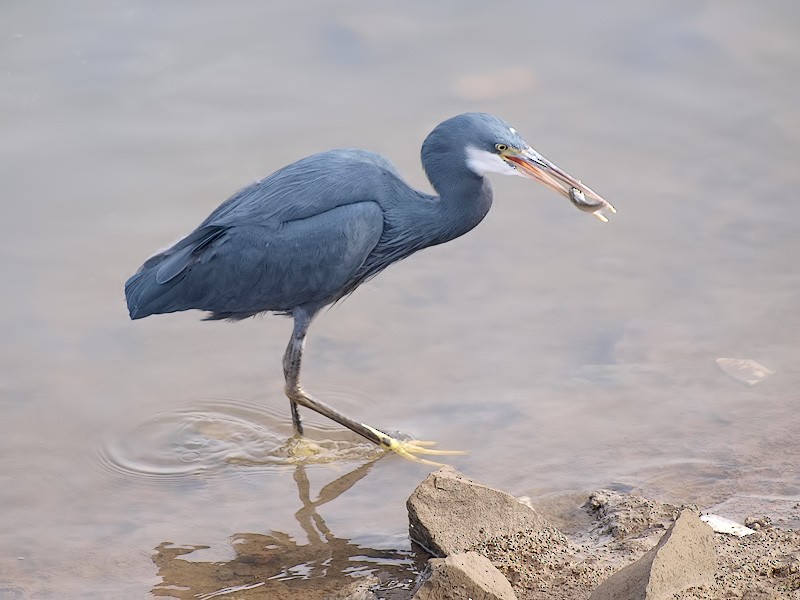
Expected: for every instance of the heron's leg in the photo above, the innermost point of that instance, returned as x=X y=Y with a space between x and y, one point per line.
x=291 y=365
x=296 y=422
x=298 y=396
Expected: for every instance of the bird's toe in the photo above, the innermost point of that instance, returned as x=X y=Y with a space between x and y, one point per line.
x=412 y=449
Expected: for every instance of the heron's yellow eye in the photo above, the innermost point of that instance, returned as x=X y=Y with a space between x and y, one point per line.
x=501 y=147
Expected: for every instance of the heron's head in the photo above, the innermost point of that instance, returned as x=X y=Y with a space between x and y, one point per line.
x=492 y=146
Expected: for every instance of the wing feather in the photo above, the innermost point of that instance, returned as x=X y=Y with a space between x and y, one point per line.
x=246 y=268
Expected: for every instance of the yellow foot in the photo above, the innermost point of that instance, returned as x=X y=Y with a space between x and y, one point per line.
x=411 y=448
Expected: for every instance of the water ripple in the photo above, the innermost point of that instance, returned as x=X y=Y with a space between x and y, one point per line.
x=221 y=434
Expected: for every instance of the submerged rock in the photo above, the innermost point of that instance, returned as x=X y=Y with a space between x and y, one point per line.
x=360 y=589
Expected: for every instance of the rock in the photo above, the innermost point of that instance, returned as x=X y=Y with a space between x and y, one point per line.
x=757 y=523
x=450 y=513
x=360 y=589
x=464 y=576
x=683 y=558
x=628 y=515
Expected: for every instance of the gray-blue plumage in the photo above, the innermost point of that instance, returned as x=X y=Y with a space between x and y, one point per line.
x=313 y=231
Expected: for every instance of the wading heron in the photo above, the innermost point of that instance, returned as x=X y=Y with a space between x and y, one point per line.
x=313 y=231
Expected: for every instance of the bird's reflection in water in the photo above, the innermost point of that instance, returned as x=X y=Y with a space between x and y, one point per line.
x=273 y=565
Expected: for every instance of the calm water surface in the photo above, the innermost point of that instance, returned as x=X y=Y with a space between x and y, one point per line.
x=151 y=458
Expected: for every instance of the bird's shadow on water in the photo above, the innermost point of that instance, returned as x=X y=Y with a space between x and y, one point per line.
x=273 y=565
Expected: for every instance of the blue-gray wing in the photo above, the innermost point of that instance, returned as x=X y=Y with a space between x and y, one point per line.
x=309 y=187
x=245 y=267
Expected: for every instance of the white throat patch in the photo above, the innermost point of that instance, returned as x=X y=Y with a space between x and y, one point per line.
x=482 y=162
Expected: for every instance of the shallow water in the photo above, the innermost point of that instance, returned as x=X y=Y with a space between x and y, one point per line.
x=152 y=457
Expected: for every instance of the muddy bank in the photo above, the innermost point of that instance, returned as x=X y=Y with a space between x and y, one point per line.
x=607 y=545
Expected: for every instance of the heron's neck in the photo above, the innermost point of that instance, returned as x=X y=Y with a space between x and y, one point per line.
x=414 y=220
x=464 y=196
x=462 y=203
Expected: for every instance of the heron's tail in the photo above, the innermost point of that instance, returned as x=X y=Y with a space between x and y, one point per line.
x=159 y=287
x=144 y=296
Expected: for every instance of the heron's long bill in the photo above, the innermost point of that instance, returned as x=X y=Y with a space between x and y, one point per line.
x=533 y=165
